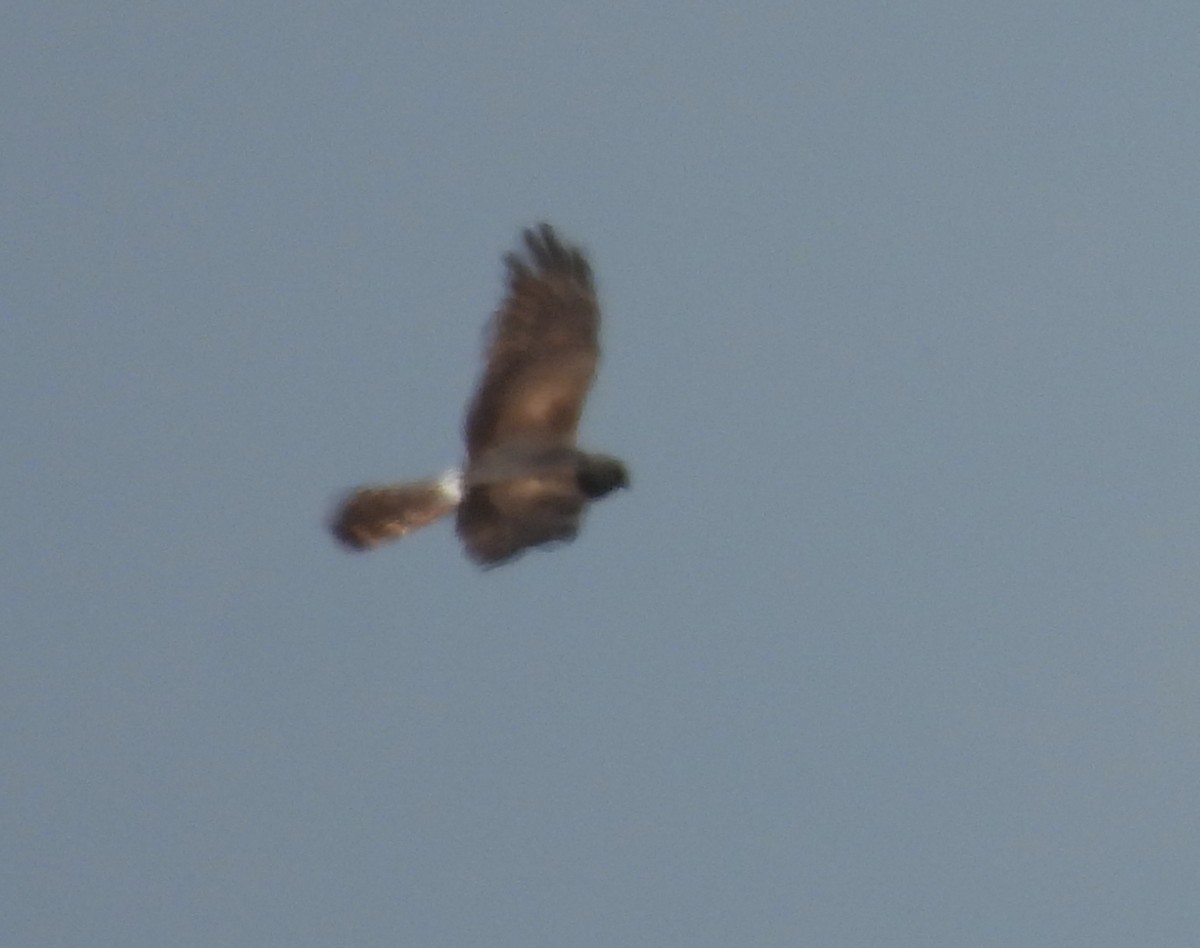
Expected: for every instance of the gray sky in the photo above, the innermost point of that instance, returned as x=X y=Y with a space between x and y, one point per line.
x=894 y=642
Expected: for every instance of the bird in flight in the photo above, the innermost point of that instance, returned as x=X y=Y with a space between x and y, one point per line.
x=524 y=482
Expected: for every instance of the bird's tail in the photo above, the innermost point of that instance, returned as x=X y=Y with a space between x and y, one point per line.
x=370 y=516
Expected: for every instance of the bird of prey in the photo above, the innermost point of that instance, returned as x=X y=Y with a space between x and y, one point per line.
x=524 y=482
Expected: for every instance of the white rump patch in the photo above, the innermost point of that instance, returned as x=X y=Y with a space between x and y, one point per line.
x=450 y=484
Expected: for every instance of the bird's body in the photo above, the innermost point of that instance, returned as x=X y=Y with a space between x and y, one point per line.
x=524 y=482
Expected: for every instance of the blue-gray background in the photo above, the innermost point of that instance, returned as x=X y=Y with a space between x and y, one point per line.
x=895 y=640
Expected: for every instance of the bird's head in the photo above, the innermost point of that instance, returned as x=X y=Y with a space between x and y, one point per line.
x=600 y=474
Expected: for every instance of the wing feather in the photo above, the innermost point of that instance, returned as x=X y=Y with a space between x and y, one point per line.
x=497 y=522
x=543 y=349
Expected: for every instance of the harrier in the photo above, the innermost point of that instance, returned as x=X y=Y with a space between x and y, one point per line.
x=524 y=482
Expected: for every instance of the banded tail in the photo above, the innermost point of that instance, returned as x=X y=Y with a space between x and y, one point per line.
x=373 y=515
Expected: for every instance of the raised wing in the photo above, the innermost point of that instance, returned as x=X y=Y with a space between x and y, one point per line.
x=543 y=349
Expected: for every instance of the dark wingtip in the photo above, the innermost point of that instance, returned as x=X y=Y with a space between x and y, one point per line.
x=550 y=255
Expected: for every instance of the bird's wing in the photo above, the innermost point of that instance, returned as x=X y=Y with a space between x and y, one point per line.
x=543 y=349
x=498 y=521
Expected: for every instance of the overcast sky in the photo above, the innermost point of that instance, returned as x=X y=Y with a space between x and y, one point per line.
x=894 y=642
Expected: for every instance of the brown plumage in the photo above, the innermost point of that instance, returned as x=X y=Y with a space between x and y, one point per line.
x=524 y=482
x=373 y=515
